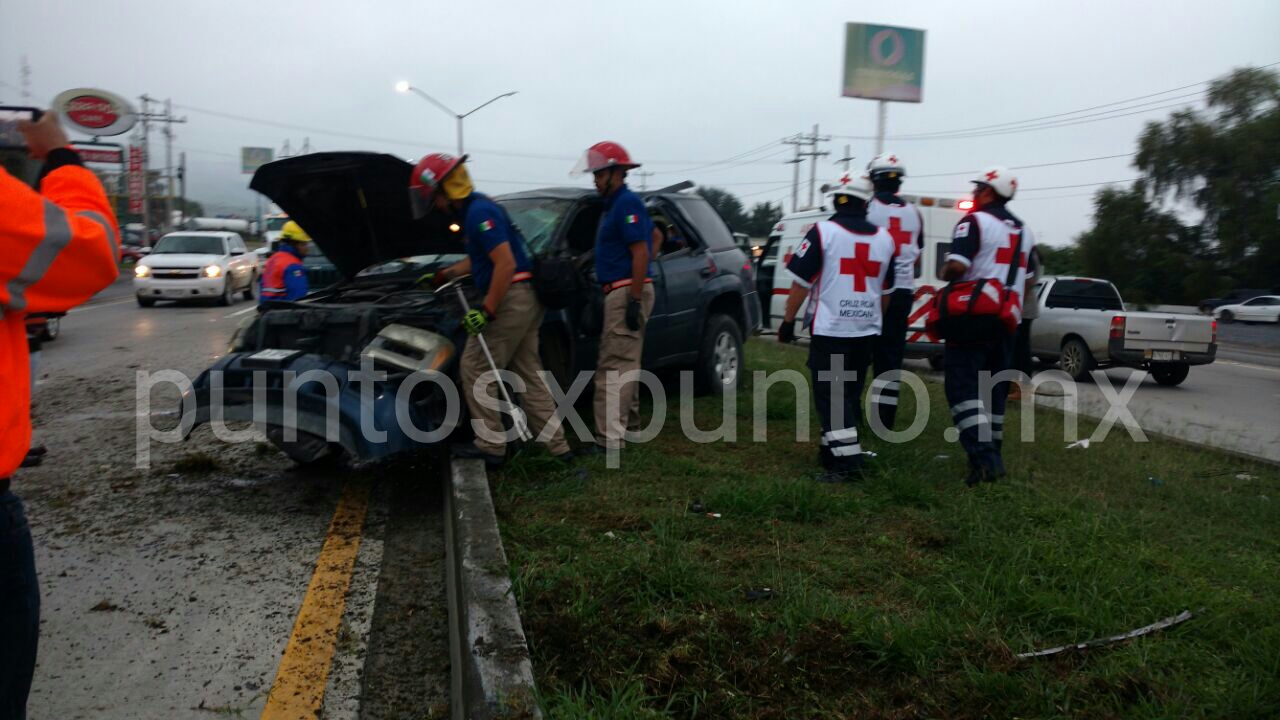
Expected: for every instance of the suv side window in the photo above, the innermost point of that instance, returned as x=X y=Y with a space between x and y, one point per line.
x=711 y=228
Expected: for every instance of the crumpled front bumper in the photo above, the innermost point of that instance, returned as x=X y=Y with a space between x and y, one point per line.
x=226 y=391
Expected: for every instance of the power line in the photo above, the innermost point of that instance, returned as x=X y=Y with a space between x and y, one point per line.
x=1039 y=189
x=929 y=135
x=1027 y=167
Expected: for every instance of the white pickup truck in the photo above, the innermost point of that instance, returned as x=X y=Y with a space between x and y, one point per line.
x=1083 y=325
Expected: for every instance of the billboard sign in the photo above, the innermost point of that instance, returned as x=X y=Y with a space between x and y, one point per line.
x=137 y=185
x=95 y=112
x=883 y=62
x=252 y=158
x=92 y=153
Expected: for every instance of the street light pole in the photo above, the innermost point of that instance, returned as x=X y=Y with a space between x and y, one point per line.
x=404 y=87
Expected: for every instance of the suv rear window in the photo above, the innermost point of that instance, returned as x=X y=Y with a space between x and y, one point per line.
x=708 y=223
x=1084 y=294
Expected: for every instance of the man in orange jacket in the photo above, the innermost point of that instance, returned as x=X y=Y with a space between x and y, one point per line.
x=58 y=247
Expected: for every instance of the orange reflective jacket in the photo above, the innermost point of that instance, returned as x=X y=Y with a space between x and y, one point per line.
x=57 y=248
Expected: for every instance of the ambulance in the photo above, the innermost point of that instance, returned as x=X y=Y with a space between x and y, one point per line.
x=939 y=216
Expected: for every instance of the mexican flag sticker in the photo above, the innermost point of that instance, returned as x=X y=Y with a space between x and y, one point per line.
x=486 y=226
x=633 y=219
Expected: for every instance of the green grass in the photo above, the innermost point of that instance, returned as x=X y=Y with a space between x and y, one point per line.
x=905 y=595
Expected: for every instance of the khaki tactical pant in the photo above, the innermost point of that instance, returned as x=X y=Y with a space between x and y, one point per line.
x=620 y=350
x=513 y=341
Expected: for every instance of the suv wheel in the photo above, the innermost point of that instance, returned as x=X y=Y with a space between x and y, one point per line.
x=1076 y=360
x=228 y=295
x=251 y=288
x=145 y=302
x=721 y=360
x=1227 y=316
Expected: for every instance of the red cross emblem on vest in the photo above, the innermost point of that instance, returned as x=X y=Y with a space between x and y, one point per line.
x=860 y=266
x=1004 y=255
x=900 y=237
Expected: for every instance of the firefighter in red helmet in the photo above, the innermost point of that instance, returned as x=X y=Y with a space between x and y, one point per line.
x=509 y=314
x=623 y=255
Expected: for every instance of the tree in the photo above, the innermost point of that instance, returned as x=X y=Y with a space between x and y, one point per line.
x=762 y=218
x=1145 y=251
x=1061 y=260
x=1228 y=165
x=729 y=207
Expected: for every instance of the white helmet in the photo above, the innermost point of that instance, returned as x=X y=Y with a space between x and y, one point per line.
x=851 y=186
x=998 y=178
x=886 y=163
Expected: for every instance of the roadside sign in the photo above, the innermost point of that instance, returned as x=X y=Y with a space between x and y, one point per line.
x=93 y=153
x=95 y=112
x=883 y=62
x=137 y=185
x=252 y=158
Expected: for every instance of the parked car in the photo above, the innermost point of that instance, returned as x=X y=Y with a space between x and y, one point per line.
x=193 y=265
x=131 y=254
x=1083 y=325
x=45 y=326
x=1234 y=297
x=355 y=207
x=1265 y=308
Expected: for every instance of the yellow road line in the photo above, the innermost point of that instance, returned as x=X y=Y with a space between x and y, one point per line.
x=304 y=670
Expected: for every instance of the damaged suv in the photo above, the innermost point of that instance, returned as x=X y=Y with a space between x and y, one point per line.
x=355 y=206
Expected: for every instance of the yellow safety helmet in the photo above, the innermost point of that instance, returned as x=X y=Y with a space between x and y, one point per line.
x=293 y=232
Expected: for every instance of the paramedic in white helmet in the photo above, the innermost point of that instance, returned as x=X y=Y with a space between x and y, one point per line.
x=985 y=245
x=846 y=264
x=889 y=211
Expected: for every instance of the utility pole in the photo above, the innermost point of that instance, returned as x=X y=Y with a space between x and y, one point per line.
x=182 y=186
x=848 y=158
x=644 y=176
x=306 y=146
x=26 y=81
x=286 y=151
x=795 y=173
x=812 y=141
x=168 y=119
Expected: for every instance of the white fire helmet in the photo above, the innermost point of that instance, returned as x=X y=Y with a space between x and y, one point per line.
x=998 y=178
x=886 y=164
x=851 y=186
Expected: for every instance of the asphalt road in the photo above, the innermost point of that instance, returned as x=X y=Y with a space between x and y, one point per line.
x=183 y=589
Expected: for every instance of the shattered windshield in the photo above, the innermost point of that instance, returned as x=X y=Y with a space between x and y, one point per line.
x=537 y=219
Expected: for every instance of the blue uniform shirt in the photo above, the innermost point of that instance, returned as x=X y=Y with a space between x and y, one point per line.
x=487 y=226
x=625 y=222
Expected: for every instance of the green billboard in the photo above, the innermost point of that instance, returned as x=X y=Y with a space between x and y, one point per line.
x=882 y=62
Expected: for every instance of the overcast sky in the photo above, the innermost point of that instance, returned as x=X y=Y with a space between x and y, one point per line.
x=681 y=84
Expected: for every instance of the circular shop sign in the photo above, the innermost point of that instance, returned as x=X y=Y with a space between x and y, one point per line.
x=95 y=112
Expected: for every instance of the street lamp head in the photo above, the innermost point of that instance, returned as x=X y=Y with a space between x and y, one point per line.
x=403 y=86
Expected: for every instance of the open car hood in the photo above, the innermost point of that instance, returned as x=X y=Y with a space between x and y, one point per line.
x=355 y=207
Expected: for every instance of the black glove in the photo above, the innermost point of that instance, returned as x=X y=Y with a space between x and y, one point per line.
x=787 y=332
x=633 y=313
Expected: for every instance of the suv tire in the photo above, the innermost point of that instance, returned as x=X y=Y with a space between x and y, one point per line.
x=228 y=296
x=721 y=361
x=251 y=288
x=145 y=302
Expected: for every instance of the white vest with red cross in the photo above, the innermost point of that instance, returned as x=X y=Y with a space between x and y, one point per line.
x=904 y=226
x=998 y=242
x=845 y=299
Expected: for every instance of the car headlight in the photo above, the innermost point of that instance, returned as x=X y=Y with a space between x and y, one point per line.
x=141 y=271
x=213 y=271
